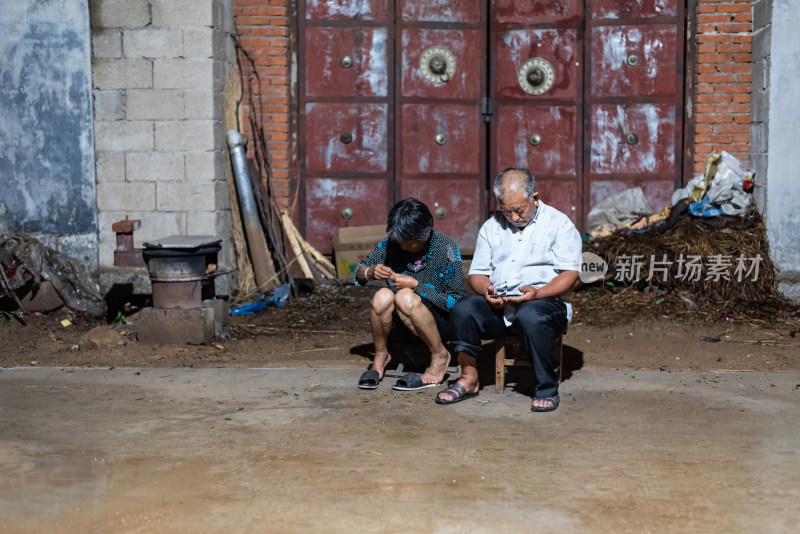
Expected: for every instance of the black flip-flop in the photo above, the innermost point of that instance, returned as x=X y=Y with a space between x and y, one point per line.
x=553 y=400
x=411 y=382
x=369 y=379
x=459 y=392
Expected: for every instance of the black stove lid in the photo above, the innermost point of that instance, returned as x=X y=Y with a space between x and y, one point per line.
x=183 y=242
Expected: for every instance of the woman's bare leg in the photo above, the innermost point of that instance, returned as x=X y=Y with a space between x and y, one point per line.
x=380 y=322
x=420 y=321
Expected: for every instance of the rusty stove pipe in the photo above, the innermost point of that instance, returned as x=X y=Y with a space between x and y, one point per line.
x=252 y=224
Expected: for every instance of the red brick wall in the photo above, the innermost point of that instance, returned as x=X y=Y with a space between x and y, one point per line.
x=723 y=79
x=263 y=30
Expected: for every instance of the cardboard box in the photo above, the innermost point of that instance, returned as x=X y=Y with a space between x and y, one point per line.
x=351 y=244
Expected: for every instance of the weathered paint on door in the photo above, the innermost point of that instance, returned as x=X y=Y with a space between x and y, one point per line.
x=587 y=94
x=440 y=129
x=346 y=116
x=538 y=123
x=634 y=99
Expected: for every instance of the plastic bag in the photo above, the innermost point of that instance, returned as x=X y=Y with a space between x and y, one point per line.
x=725 y=188
x=276 y=297
x=73 y=282
x=625 y=207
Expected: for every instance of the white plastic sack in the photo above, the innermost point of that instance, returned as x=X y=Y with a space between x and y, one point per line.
x=725 y=190
x=729 y=167
x=697 y=182
x=625 y=207
x=738 y=203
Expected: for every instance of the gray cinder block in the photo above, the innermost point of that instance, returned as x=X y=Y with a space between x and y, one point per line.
x=166 y=326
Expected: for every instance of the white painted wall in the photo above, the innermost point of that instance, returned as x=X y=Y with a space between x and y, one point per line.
x=47 y=178
x=783 y=173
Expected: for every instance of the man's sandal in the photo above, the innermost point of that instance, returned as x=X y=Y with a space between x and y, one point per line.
x=458 y=392
x=553 y=401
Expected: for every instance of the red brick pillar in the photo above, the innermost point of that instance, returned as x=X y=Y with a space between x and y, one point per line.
x=723 y=80
x=262 y=27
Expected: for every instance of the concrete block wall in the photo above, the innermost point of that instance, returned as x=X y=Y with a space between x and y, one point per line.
x=263 y=29
x=159 y=70
x=723 y=79
x=759 y=107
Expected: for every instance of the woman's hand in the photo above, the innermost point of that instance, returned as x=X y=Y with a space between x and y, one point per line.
x=404 y=281
x=380 y=272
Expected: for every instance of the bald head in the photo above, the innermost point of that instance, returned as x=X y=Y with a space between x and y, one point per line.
x=512 y=182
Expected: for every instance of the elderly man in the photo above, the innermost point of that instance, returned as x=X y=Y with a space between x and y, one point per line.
x=526 y=259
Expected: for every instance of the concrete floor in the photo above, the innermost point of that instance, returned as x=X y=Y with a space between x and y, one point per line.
x=290 y=450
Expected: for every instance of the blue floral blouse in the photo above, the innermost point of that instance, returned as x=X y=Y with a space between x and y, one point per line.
x=438 y=271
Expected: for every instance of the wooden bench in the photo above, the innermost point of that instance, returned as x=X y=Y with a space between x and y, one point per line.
x=507 y=354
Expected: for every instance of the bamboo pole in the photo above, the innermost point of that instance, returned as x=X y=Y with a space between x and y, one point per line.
x=323 y=267
x=321 y=260
x=291 y=235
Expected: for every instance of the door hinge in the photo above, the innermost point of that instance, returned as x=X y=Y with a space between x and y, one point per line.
x=487 y=109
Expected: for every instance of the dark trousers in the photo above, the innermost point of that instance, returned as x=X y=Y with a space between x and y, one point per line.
x=537 y=324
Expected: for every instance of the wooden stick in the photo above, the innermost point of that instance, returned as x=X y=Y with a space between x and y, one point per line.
x=8 y=289
x=304 y=330
x=288 y=226
x=311 y=350
x=320 y=261
x=324 y=268
x=316 y=254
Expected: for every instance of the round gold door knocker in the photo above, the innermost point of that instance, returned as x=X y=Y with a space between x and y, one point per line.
x=437 y=64
x=536 y=76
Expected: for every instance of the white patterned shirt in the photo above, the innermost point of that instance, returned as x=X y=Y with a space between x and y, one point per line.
x=549 y=245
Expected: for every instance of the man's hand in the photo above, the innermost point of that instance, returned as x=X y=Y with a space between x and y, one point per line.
x=381 y=272
x=403 y=281
x=528 y=293
x=494 y=302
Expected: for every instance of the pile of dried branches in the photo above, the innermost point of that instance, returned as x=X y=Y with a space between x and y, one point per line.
x=712 y=268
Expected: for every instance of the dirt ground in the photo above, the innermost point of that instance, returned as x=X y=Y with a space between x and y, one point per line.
x=330 y=329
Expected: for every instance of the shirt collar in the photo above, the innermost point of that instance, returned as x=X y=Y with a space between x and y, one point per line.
x=427 y=255
x=538 y=212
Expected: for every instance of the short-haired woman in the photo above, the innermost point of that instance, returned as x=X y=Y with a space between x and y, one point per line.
x=422 y=270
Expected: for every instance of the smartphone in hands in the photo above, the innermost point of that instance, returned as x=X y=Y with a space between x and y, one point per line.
x=505 y=295
x=499 y=293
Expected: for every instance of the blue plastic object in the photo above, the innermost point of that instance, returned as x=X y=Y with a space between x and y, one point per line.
x=704 y=209
x=276 y=297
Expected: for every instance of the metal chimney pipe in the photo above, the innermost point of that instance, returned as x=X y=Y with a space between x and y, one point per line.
x=259 y=254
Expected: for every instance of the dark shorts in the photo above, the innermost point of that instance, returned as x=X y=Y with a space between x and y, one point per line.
x=401 y=334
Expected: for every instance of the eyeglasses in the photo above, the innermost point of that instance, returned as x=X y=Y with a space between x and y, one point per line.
x=520 y=210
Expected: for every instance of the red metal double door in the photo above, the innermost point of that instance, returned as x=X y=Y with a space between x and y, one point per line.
x=430 y=98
